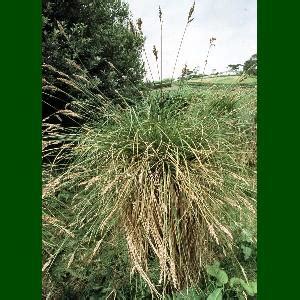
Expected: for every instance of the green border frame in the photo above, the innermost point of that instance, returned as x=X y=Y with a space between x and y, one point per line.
x=278 y=109
x=278 y=162
x=20 y=149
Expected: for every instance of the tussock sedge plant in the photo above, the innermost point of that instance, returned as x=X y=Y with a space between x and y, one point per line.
x=170 y=174
x=168 y=178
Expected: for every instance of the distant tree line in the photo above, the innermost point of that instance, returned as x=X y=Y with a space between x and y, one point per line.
x=249 y=67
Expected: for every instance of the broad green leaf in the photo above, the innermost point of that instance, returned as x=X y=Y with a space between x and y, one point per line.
x=186 y=295
x=215 y=295
x=247 y=251
x=253 y=285
x=241 y=296
x=246 y=236
x=250 y=288
x=213 y=270
x=236 y=281
x=222 y=277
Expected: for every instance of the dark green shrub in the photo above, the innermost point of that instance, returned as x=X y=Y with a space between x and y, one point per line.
x=99 y=37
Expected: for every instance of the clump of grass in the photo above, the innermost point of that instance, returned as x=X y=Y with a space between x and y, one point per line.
x=167 y=177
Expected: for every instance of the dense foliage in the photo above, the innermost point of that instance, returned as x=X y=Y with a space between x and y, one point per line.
x=99 y=37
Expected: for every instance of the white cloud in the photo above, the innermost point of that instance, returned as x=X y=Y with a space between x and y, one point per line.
x=232 y=22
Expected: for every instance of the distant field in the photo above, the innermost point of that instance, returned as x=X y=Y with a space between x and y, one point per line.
x=225 y=80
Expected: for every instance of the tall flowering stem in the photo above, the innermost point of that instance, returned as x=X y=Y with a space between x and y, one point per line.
x=189 y=20
x=211 y=44
x=161 y=49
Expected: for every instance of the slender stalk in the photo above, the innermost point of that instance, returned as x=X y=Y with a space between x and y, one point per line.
x=161 y=49
x=211 y=44
x=189 y=20
x=155 y=52
x=178 y=52
x=139 y=24
x=148 y=64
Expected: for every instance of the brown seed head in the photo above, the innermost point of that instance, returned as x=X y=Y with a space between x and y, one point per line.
x=159 y=13
x=211 y=41
x=184 y=71
x=132 y=29
x=191 y=12
x=139 y=24
x=155 y=52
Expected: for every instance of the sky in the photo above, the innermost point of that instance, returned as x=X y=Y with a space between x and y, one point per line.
x=232 y=22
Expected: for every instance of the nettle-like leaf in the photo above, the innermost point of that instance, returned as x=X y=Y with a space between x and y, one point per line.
x=215 y=295
x=246 y=236
x=185 y=295
x=250 y=288
x=247 y=251
x=222 y=278
x=235 y=281
x=242 y=296
x=215 y=271
x=212 y=270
